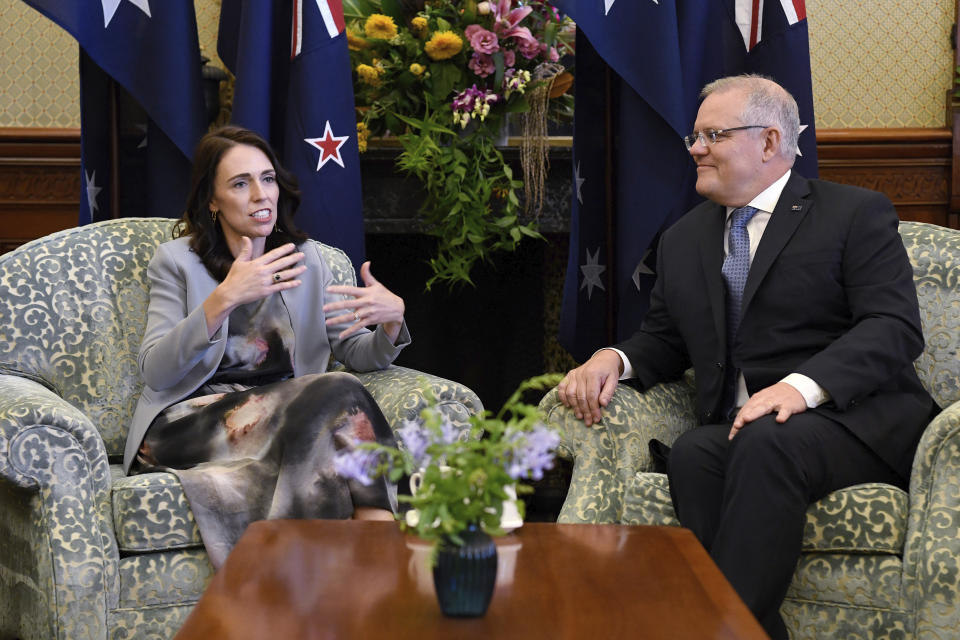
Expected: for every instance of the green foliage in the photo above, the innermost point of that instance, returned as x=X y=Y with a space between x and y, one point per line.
x=471 y=204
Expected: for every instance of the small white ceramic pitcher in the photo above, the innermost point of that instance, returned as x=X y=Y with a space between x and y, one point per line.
x=510 y=516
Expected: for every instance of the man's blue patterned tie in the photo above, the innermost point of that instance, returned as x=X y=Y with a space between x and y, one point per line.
x=736 y=266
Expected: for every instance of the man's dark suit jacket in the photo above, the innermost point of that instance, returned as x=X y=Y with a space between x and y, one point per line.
x=830 y=295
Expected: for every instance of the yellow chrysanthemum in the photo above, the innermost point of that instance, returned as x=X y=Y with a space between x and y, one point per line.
x=362 y=134
x=355 y=42
x=443 y=45
x=368 y=75
x=417 y=69
x=418 y=25
x=380 y=26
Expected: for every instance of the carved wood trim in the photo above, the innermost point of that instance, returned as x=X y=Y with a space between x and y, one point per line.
x=40 y=180
x=39 y=183
x=911 y=166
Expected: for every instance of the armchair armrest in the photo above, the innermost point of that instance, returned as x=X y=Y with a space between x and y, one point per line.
x=932 y=551
x=606 y=455
x=401 y=394
x=59 y=548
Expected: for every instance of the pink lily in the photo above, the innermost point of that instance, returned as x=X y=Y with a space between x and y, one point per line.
x=505 y=21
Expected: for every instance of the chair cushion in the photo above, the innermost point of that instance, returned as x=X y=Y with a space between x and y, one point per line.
x=866 y=518
x=151 y=513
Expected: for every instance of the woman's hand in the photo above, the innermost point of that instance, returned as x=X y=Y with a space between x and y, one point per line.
x=251 y=279
x=372 y=304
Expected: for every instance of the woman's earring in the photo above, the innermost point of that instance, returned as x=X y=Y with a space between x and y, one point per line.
x=213 y=215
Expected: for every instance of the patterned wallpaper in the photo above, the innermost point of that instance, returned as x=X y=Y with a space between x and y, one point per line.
x=875 y=63
x=880 y=63
x=39 y=86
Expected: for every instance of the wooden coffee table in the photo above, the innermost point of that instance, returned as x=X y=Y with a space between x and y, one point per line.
x=307 y=579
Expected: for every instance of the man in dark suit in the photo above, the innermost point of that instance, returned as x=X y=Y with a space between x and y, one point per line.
x=794 y=302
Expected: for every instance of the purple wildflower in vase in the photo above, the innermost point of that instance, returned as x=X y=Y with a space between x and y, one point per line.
x=449 y=433
x=356 y=464
x=532 y=453
x=416 y=439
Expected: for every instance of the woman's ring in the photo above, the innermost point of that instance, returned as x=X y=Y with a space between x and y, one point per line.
x=356 y=316
x=276 y=277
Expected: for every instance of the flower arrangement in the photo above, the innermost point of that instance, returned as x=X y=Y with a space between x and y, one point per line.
x=464 y=475
x=442 y=75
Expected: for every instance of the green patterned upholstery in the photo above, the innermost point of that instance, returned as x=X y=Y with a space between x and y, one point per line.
x=86 y=552
x=877 y=562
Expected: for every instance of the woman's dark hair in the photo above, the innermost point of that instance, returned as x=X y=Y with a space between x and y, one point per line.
x=206 y=236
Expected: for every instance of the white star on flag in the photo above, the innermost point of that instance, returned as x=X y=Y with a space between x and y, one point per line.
x=579 y=182
x=642 y=270
x=591 y=273
x=802 y=127
x=110 y=8
x=607 y=4
x=142 y=128
x=92 y=191
x=329 y=146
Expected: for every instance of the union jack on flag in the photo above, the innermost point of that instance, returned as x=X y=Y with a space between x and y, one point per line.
x=749 y=18
x=332 y=14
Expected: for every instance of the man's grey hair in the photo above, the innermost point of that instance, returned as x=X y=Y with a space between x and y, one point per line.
x=767 y=103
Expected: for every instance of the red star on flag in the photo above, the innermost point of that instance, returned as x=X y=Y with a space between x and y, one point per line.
x=329 y=146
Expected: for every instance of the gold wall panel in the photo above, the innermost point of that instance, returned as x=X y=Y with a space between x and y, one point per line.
x=39 y=83
x=880 y=63
x=875 y=63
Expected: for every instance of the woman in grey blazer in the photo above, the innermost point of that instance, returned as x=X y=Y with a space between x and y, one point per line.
x=241 y=325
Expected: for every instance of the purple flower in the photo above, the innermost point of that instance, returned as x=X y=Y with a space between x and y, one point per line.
x=532 y=453
x=472 y=103
x=356 y=464
x=448 y=433
x=481 y=40
x=415 y=439
x=515 y=81
x=482 y=64
x=529 y=49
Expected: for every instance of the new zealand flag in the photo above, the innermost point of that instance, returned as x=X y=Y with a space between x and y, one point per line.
x=142 y=109
x=640 y=67
x=294 y=87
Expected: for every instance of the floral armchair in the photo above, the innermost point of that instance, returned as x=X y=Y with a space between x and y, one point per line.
x=86 y=552
x=877 y=562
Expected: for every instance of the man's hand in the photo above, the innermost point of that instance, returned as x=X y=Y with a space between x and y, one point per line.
x=590 y=386
x=781 y=398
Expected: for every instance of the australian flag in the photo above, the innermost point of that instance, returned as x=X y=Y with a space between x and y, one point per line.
x=142 y=108
x=294 y=87
x=640 y=67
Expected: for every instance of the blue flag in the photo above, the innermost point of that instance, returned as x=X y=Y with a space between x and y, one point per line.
x=640 y=67
x=142 y=109
x=294 y=87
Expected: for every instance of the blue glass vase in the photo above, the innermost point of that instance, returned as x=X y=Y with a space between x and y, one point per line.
x=465 y=575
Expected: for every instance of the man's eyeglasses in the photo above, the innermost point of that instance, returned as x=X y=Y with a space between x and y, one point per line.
x=712 y=135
